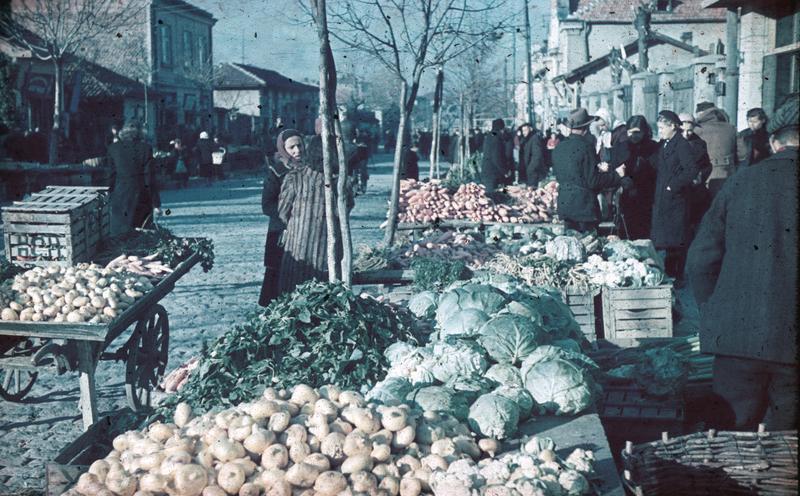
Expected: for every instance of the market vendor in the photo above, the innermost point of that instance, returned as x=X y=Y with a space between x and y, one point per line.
x=289 y=155
x=743 y=269
x=575 y=165
x=134 y=192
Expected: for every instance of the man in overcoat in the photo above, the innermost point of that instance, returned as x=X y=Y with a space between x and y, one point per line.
x=579 y=179
x=494 y=165
x=720 y=137
x=531 y=156
x=743 y=271
x=677 y=165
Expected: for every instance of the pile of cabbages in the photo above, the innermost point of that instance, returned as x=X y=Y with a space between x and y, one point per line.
x=498 y=357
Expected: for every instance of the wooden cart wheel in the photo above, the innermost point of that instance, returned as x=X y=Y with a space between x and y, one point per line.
x=16 y=383
x=146 y=363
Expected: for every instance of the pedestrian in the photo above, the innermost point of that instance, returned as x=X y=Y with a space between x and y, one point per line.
x=301 y=207
x=289 y=144
x=753 y=142
x=135 y=198
x=411 y=163
x=203 y=156
x=576 y=169
x=218 y=169
x=743 y=270
x=619 y=132
x=602 y=132
x=720 y=137
x=531 y=156
x=494 y=164
x=676 y=165
x=180 y=156
x=699 y=196
x=638 y=186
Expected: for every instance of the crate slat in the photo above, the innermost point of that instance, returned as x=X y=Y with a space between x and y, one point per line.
x=642 y=313
x=631 y=313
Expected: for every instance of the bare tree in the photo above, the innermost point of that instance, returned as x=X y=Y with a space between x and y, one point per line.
x=409 y=37
x=55 y=29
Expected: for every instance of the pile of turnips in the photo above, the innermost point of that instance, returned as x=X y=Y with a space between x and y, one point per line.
x=84 y=293
x=424 y=202
x=308 y=442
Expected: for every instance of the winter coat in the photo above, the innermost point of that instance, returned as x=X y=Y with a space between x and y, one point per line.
x=205 y=161
x=677 y=165
x=579 y=180
x=410 y=165
x=531 y=159
x=720 y=138
x=752 y=146
x=494 y=166
x=134 y=192
x=743 y=264
x=638 y=185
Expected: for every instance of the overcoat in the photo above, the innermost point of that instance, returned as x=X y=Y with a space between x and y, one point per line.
x=134 y=192
x=273 y=251
x=743 y=264
x=676 y=165
x=494 y=165
x=579 y=180
x=720 y=138
x=531 y=159
x=638 y=185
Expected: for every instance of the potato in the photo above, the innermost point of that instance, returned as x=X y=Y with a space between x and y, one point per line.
x=356 y=463
x=404 y=437
x=190 y=480
x=341 y=426
x=319 y=461
x=330 y=392
x=330 y=483
x=275 y=484
x=250 y=489
x=183 y=414
x=391 y=485
x=351 y=398
x=298 y=452
x=120 y=484
x=394 y=419
x=226 y=450
x=155 y=483
x=381 y=452
x=302 y=475
x=296 y=434
x=357 y=443
x=9 y=314
x=434 y=462
x=100 y=469
x=326 y=408
x=364 y=482
x=410 y=487
x=407 y=463
x=231 y=477
x=304 y=394
x=275 y=456
x=258 y=440
x=444 y=447
x=159 y=432
x=262 y=409
x=332 y=446
x=279 y=421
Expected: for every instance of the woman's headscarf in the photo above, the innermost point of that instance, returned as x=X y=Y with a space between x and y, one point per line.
x=640 y=121
x=281 y=144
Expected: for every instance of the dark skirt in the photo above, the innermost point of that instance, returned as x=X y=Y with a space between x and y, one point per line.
x=273 y=254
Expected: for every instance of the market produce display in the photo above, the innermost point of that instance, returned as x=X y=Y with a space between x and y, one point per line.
x=157 y=245
x=84 y=293
x=319 y=334
x=497 y=358
x=147 y=266
x=328 y=442
x=424 y=202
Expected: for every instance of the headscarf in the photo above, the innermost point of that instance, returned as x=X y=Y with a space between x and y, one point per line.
x=283 y=155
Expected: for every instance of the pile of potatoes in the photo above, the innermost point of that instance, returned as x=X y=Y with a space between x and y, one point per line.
x=308 y=442
x=83 y=293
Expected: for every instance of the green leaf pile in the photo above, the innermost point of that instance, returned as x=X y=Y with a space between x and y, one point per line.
x=320 y=334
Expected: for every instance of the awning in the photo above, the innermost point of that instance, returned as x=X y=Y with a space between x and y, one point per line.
x=769 y=8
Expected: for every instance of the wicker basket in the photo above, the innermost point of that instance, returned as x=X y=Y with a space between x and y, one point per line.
x=714 y=463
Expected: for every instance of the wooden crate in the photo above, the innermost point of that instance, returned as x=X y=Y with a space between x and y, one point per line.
x=61 y=224
x=635 y=313
x=629 y=415
x=585 y=306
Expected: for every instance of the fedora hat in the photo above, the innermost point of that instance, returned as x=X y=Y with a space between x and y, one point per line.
x=579 y=118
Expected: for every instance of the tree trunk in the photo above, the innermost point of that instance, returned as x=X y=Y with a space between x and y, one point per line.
x=327 y=110
x=528 y=71
x=344 y=215
x=463 y=139
x=437 y=117
x=58 y=110
x=391 y=227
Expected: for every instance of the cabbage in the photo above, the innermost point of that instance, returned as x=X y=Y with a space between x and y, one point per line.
x=398 y=351
x=504 y=374
x=416 y=366
x=463 y=323
x=423 y=305
x=457 y=359
x=504 y=282
x=521 y=397
x=546 y=352
x=390 y=391
x=556 y=317
x=494 y=416
x=510 y=338
x=560 y=386
x=566 y=249
x=471 y=387
x=439 y=399
x=477 y=296
x=569 y=345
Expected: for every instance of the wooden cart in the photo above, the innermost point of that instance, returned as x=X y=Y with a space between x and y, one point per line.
x=28 y=347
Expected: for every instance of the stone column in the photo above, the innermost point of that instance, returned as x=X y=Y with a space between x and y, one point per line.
x=666 y=96
x=645 y=95
x=704 y=90
x=753 y=39
x=617 y=106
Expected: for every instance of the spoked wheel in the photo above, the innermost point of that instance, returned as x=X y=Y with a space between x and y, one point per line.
x=146 y=363
x=16 y=382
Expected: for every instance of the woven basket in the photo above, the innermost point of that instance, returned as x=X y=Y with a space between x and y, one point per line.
x=714 y=463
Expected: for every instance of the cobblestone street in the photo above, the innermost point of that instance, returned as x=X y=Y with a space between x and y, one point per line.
x=202 y=307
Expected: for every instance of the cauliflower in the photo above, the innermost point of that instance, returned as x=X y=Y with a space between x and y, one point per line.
x=581 y=460
x=573 y=483
x=531 y=487
x=461 y=478
x=495 y=472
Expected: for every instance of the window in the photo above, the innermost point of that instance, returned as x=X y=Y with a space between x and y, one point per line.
x=188 y=49
x=787 y=30
x=664 y=5
x=165 y=45
x=787 y=76
x=202 y=51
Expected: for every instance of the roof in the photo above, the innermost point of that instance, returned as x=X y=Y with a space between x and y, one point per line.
x=622 y=11
x=97 y=81
x=185 y=8
x=245 y=76
x=769 y=8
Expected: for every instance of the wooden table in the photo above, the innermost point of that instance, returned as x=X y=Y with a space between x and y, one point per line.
x=80 y=347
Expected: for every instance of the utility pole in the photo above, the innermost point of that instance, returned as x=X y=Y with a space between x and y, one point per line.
x=505 y=87
x=528 y=71
x=732 y=65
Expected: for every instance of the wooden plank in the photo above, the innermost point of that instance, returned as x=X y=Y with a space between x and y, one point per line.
x=383 y=276
x=17 y=363
x=10 y=217
x=643 y=313
x=639 y=293
x=640 y=304
x=54 y=330
x=87 y=363
x=59 y=478
x=643 y=325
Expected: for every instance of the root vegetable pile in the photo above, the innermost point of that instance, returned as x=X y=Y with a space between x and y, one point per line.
x=429 y=202
x=451 y=245
x=84 y=293
x=325 y=442
x=145 y=266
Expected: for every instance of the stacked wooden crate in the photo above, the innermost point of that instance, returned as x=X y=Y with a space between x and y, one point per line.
x=634 y=313
x=585 y=306
x=58 y=224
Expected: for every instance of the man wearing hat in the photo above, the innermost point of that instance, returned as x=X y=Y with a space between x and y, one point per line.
x=677 y=165
x=532 y=168
x=575 y=166
x=743 y=270
x=494 y=166
x=720 y=137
